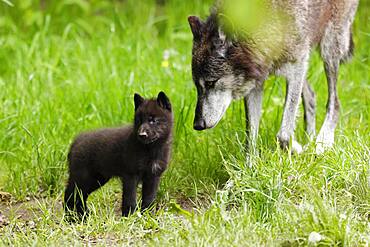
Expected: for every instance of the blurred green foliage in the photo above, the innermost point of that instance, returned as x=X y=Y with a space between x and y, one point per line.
x=89 y=15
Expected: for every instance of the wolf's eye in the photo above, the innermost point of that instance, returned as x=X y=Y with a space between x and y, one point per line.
x=211 y=83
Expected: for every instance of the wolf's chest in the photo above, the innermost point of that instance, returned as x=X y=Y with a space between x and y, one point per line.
x=243 y=88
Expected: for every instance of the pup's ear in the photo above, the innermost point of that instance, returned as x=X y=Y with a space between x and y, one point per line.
x=196 y=26
x=138 y=100
x=163 y=101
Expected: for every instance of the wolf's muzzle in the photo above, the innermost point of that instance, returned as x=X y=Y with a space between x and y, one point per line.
x=199 y=124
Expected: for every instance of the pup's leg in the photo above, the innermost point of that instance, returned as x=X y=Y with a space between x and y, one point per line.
x=253 y=105
x=77 y=191
x=73 y=200
x=129 y=194
x=149 y=192
x=295 y=74
x=309 y=105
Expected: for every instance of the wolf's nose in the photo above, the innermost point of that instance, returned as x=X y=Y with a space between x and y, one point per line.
x=143 y=134
x=199 y=124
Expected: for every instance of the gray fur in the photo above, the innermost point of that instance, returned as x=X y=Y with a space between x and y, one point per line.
x=234 y=63
x=335 y=47
x=214 y=103
x=253 y=107
x=309 y=105
x=295 y=74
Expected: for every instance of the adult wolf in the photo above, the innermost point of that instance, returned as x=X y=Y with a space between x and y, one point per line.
x=231 y=60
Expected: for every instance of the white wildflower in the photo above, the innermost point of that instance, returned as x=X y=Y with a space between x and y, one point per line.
x=314 y=237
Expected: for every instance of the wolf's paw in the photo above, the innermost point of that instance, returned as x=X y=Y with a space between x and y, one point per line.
x=324 y=142
x=296 y=147
x=284 y=142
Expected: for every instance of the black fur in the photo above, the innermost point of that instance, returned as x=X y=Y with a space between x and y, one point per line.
x=135 y=153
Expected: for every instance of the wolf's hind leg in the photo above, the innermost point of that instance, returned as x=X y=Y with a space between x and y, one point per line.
x=309 y=105
x=253 y=105
x=335 y=46
x=325 y=139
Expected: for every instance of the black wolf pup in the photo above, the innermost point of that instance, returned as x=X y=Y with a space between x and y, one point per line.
x=135 y=153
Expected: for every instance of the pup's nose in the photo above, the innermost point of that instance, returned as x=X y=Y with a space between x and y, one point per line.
x=199 y=124
x=143 y=134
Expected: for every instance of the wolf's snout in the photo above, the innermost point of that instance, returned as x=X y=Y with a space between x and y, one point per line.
x=199 y=121
x=199 y=124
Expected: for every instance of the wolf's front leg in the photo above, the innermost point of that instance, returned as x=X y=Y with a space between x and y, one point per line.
x=129 y=194
x=295 y=74
x=253 y=105
x=149 y=192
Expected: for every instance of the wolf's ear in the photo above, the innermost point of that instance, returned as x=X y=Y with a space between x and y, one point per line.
x=138 y=100
x=219 y=43
x=216 y=36
x=163 y=101
x=196 y=26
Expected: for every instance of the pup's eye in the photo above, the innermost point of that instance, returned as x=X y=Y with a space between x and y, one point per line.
x=137 y=120
x=211 y=83
x=152 y=120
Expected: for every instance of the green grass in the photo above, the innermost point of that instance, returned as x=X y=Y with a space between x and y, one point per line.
x=69 y=66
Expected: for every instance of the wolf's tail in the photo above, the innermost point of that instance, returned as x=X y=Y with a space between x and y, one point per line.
x=351 y=50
